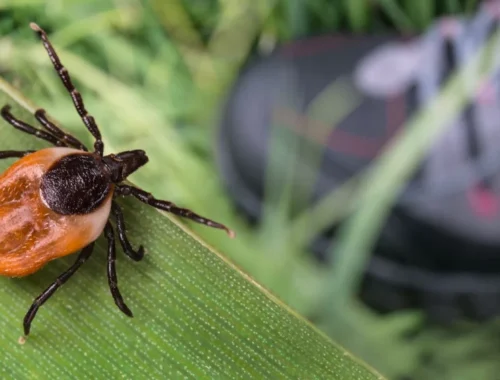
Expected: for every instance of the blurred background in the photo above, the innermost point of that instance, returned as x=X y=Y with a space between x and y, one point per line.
x=351 y=144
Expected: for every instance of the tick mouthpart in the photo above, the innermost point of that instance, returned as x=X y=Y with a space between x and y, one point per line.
x=123 y=164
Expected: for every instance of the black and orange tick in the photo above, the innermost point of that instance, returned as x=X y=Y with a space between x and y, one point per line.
x=56 y=201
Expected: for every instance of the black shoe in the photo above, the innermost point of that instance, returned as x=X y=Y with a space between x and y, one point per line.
x=440 y=248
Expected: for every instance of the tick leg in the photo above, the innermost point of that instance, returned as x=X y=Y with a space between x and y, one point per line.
x=47 y=293
x=87 y=119
x=14 y=153
x=147 y=198
x=122 y=235
x=26 y=128
x=41 y=116
x=112 y=279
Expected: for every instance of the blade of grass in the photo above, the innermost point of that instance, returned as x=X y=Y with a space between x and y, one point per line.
x=229 y=45
x=296 y=17
x=281 y=170
x=453 y=6
x=421 y=12
x=6 y=4
x=174 y=18
x=358 y=14
x=197 y=315
x=320 y=118
x=470 y=5
x=315 y=220
x=95 y=25
x=397 y=15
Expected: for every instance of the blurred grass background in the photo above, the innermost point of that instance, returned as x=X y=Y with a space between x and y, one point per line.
x=155 y=73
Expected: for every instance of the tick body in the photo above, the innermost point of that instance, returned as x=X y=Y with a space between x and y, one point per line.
x=31 y=231
x=57 y=201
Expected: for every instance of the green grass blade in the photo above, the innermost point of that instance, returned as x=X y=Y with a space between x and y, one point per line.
x=196 y=314
x=396 y=14
x=358 y=14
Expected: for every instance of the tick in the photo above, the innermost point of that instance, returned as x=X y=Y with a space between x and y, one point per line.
x=56 y=201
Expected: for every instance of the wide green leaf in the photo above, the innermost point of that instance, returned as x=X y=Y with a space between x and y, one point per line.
x=196 y=314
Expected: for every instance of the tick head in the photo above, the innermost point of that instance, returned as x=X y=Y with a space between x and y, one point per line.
x=123 y=164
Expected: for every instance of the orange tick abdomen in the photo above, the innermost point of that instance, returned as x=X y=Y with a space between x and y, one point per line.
x=31 y=234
